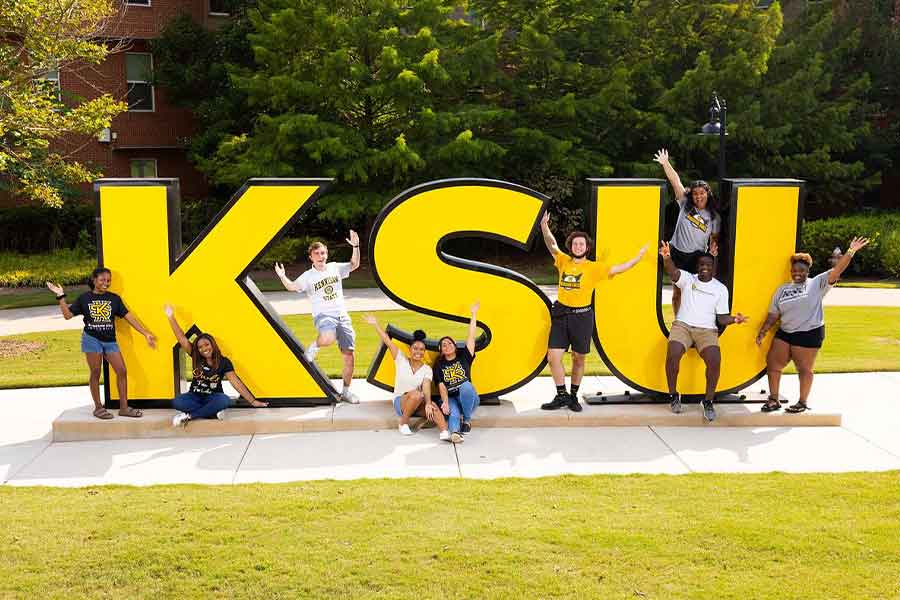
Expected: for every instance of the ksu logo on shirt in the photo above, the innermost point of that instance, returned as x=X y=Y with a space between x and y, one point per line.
x=696 y=288
x=101 y=310
x=570 y=281
x=454 y=374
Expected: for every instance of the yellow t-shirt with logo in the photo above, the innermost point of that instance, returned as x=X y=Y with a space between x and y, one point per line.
x=578 y=279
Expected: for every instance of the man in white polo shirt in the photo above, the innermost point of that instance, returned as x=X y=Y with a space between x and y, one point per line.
x=322 y=283
x=704 y=307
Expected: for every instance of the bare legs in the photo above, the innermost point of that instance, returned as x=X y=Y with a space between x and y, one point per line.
x=780 y=354
x=554 y=357
x=711 y=357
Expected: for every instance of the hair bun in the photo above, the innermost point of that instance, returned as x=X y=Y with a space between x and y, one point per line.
x=418 y=335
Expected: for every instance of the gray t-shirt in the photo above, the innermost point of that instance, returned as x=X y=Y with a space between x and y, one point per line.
x=693 y=228
x=800 y=305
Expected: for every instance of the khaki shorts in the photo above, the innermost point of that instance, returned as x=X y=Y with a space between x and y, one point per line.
x=689 y=336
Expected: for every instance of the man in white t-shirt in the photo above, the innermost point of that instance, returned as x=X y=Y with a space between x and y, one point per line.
x=322 y=284
x=704 y=307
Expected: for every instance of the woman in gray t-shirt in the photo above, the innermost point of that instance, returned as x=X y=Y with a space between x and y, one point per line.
x=798 y=305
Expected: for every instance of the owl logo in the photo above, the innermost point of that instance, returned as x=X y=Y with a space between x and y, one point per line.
x=570 y=281
x=329 y=290
x=101 y=310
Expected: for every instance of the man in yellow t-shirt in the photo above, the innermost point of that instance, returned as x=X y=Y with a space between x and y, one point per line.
x=572 y=315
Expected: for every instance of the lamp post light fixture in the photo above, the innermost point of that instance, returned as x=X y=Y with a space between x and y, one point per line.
x=718 y=121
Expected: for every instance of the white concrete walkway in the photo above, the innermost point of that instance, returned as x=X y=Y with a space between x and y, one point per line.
x=48 y=318
x=867 y=441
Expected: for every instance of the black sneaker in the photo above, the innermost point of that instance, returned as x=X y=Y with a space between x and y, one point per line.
x=466 y=427
x=675 y=403
x=558 y=402
x=573 y=404
x=709 y=411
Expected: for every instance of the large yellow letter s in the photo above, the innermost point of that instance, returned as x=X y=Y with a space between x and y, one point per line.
x=405 y=251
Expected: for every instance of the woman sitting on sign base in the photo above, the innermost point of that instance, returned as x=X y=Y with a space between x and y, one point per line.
x=798 y=305
x=206 y=399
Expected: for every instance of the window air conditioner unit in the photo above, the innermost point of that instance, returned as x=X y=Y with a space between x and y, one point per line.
x=104 y=136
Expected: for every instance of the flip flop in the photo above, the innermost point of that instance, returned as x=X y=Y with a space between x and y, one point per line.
x=130 y=412
x=102 y=413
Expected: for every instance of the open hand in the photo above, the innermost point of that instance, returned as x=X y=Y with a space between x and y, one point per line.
x=475 y=307
x=664 y=250
x=353 y=240
x=714 y=247
x=429 y=411
x=170 y=312
x=642 y=251
x=279 y=270
x=151 y=340
x=445 y=408
x=662 y=157
x=370 y=319
x=545 y=220
x=55 y=288
x=258 y=404
x=739 y=318
x=759 y=338
x=858 y=243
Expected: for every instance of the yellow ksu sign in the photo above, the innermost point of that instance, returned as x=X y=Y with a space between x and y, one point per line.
x=140 y=241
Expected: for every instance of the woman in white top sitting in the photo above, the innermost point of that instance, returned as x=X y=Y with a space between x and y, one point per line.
x=412 y=383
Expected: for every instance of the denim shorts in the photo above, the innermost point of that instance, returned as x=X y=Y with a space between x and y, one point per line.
x=91 y=344
x=397 y=408
x=342 y=327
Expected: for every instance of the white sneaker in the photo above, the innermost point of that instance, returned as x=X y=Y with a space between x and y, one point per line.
x=445 y=436
x=311 y=352
x=404 y=429
x=180 y=419
x=221 y=415
x=349 y=397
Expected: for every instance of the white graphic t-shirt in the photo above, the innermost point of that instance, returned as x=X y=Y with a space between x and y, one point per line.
x=701 y=301
x=324 y=288
x=405 y=380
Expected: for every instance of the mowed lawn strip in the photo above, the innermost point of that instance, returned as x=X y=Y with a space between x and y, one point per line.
x=858 y=338
x=741 y=536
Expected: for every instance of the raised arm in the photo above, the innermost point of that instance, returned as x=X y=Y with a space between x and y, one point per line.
x=353 y=240
x=673 y=271
x=549 y=240
x=473 y=326
x=622 y=267
x=858 y=243
x=385 y=338
x=238 y=385
x=287 y=283
x=662 y=157
x=134 y=322
x=61 y=299
x=176 y=329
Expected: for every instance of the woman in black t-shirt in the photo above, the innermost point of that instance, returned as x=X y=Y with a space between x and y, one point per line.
x=99 y=307
x=205 y=399
x=452 y=373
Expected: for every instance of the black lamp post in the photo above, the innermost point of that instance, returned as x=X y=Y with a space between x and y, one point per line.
x=718 y=118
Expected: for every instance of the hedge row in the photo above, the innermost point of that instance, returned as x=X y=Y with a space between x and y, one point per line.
x=880 y=258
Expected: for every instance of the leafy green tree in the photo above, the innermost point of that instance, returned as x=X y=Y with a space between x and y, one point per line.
x=41 y=37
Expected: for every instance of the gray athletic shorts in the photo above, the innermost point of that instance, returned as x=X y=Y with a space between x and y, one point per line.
x=342 y=327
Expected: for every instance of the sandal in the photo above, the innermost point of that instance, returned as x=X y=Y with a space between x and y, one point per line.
x=101 y=413
x=797 y=408
x=771 y=405
x=130 y=412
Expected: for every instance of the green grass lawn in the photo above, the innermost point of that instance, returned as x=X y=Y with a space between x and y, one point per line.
x=858 y=339
x=772 y=536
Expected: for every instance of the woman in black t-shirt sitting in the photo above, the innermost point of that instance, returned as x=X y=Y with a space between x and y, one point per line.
x=452 y=373
x=205 y=399
x=99 y=307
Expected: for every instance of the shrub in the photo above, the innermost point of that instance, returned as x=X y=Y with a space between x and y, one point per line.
x=38 y=229
x=65 y=267
x=287 y=250
x=820 y=238
x=890 y=252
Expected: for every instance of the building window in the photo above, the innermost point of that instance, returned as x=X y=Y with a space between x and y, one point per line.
x=139 y=73
x=137 y=2
x=50 y=79
x=143 y=167
x=218 y=7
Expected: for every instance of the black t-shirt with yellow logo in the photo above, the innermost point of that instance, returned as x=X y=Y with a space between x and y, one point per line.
x=98 y=311
x=454 y=373
x=577 y=280
x=208 y=380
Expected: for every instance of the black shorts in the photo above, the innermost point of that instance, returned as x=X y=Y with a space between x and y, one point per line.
x=571 y=326
x=805 y=339
x=686 y=261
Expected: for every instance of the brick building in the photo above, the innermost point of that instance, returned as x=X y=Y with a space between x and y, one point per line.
x=148 y=140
